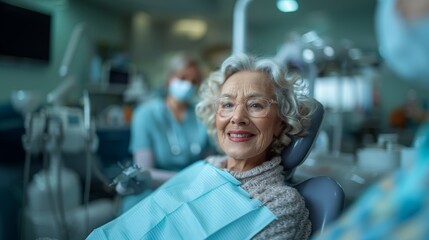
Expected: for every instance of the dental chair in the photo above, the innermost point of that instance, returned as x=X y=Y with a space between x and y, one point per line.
x=323 y=196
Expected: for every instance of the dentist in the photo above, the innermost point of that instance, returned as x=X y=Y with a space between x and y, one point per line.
x=166 y=135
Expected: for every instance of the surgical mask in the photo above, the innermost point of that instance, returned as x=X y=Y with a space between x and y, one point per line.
x=181 y=90
x=403 y=44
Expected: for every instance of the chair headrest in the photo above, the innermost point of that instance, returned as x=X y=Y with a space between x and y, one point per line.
x=300 y=146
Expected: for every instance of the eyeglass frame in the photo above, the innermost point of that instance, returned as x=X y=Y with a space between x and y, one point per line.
x=216 y=107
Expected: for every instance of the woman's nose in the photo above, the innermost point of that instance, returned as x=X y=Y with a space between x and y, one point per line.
x=240 y=116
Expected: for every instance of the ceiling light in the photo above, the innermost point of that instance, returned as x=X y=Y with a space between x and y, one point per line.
x=287 y=5
x=191 y=28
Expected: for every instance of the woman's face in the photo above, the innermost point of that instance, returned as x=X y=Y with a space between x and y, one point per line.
x=242 y=137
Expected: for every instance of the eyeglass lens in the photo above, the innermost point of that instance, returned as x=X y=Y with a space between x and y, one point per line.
x=255 y=107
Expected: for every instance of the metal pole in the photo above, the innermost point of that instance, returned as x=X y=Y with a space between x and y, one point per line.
x=239 y=27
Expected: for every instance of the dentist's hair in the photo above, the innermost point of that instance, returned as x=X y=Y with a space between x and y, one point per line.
x=181 y=60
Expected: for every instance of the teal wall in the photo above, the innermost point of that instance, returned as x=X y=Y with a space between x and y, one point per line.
x=101 y=26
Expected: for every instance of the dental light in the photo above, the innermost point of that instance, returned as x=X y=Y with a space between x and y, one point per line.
x=287 y=5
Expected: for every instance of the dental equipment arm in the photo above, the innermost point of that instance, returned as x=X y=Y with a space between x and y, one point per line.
x=239 y=27
x=55 y=97
x=71 y=49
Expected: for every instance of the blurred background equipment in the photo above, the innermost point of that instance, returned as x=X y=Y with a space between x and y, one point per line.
x=52 y=204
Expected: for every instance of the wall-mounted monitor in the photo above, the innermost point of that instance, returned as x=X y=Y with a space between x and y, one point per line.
x=24 y=33
x=116 y=78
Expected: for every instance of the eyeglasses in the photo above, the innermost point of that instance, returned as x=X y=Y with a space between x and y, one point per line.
x=256 y=106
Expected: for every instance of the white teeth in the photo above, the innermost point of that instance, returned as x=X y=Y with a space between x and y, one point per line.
x=239 y=135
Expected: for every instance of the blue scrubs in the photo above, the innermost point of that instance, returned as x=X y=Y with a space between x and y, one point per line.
x=175 y=145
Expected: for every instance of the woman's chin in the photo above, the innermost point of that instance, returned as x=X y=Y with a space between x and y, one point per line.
x=241 y=156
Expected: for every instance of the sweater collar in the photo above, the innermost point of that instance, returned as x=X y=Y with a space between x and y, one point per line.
x=264 y=167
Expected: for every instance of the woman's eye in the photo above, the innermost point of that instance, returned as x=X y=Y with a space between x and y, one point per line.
x=227 y=105
x=255 y=105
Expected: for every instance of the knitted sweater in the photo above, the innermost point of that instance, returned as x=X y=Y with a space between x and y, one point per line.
x=267 y=184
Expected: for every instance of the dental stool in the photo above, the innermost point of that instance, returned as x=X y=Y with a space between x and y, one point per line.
x=323 y=196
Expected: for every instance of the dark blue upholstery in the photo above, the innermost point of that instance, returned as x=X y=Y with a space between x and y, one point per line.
x=299 y=148
x=323 y=196
x=324 y=199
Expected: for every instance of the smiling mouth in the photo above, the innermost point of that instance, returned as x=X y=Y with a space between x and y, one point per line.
x=239 y=135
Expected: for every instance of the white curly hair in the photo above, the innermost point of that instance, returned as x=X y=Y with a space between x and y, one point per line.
x=294 y=105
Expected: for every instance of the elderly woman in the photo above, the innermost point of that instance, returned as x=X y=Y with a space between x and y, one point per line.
x=253 y=109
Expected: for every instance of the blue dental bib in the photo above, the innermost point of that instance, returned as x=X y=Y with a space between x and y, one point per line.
x=200 y=202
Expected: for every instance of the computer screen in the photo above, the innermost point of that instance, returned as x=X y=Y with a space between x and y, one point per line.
x=24 y=33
